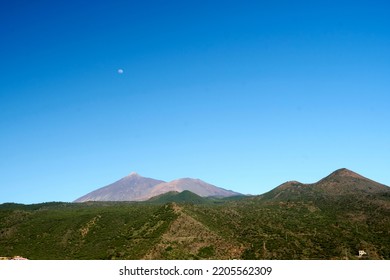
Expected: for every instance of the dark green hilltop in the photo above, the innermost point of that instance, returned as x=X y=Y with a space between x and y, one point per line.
x=343 y=216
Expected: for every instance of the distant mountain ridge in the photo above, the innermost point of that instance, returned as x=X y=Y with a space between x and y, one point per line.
x=137 y=188
x=196 y=186
x=132 y=187
x=339 y=182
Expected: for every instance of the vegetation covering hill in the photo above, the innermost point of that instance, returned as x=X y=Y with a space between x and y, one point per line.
x=192 y=198
x=342 y=182
x=327 y=220
x=178 y=197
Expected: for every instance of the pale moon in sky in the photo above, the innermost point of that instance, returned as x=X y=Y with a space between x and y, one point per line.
x=120 y=71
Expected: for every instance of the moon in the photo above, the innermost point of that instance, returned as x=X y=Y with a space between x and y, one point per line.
x=120 y=71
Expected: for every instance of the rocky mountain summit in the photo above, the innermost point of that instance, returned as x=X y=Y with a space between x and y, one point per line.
x=137 y=188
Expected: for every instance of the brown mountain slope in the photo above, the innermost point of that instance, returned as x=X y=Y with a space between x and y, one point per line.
x=130 y=188
x=340 y=182
x=137 y=188
x=196 y=186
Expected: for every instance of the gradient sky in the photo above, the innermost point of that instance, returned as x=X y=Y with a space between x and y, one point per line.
x=242 y=94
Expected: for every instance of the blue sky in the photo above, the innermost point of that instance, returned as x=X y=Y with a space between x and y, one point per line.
x=242 y=94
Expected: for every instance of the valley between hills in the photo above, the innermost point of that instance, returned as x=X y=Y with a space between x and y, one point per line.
x=342 y=216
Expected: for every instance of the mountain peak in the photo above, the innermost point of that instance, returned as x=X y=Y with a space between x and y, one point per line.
x=339 y=183
x=344 y=172
x=133 y=174
x=134 y=187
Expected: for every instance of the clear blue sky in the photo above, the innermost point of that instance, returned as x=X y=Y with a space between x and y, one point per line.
x=242 y=94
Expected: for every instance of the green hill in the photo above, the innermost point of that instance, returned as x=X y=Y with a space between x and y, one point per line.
x=179 y=197
x=250 y=228
x=331 y=219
